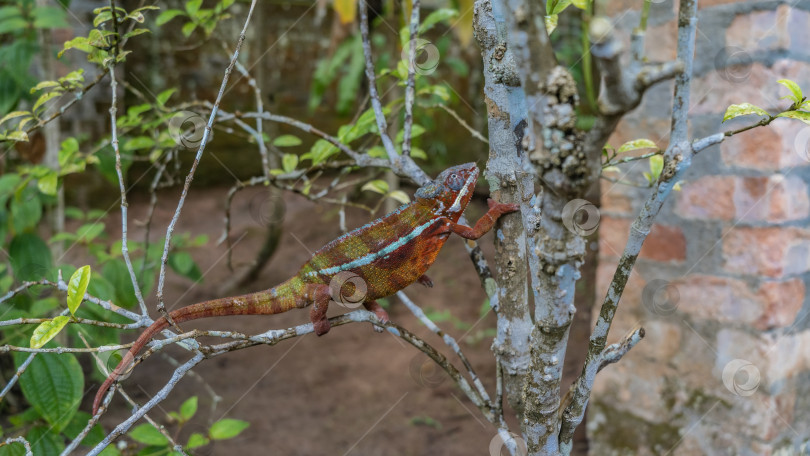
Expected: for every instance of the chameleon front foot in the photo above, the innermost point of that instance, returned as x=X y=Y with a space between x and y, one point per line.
x=321 y=326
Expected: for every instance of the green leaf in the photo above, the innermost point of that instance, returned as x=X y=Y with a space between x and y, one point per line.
x=416 y=131
x=45 y=441
x=193 y=6
x=49 y=17
x=376 y=186
x=189 y=408
x=30 y=257
x=77 y=287
x=656 y=166
x=637 y=144
x=9 y=11
x=196 y=440
x=53 y=385
x=26 y=210
x=164 y=96
x=284 y=141
x=743 y=109
x=18 y=136
x=47 y=330
x=320 y=151
x=148 y=435
x=188 y=29
x=289 y=162
x=13 y=449
x=45 y=98
x=89 y=231
x=13 y=24
x=183 y=264
x=400 y=196
x=551 y=23
x=47 y=183
x=555 y=7
x=798 y=115
x=14 y=114
x=139 y=142
x=227 y=428
x=792 y=86
x=581 y=4
x=80 y=42
x=440 y=15
x=78 y=424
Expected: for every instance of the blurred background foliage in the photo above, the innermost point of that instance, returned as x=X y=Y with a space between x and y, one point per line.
x=307 y=61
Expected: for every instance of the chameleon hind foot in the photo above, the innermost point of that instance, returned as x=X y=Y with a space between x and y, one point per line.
x=376 y=309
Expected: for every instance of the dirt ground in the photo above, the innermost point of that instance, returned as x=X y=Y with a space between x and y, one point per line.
x=352 y=391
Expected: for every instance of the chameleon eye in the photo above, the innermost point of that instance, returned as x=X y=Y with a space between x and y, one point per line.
x=455 y=182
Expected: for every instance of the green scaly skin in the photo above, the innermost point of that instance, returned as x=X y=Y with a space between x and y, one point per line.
x=373 y=261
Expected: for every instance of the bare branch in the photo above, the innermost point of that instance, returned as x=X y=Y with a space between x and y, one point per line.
x=203 y=142
x=122 y=188
x=20 y=440
x=13 y=380
x=409 y=87
x=677 y=159
x=382 y=125
x=448 y=340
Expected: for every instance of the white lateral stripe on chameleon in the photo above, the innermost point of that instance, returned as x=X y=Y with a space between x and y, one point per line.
x=457 y=203
x=369 y=258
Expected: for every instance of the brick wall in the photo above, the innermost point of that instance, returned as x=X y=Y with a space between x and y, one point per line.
x=721 y=286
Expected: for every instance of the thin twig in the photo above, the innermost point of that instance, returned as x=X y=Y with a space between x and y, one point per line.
x=382 y=125
x=119 y=172
x=203 y=142
x=475 y=133
x=448 y=340
x=410 y=85
x=20 y=440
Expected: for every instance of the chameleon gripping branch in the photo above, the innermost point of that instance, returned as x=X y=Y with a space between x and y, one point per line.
x=387 y=255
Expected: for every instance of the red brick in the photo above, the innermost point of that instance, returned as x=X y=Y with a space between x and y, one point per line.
x=797 y=25
x=781 y=302
x=784 y=144
x=661 y=44
x=760 y=30
x=614 y=200
x=720 y=299
x=613 y=236
x=777 y=198
x=664 y=243
x=708 y=197
x=727 y=85
x=771 y=252
x=787 y=199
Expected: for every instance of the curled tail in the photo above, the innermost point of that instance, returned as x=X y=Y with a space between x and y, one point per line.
x=273 y=301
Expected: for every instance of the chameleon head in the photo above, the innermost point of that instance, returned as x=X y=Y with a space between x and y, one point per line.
x=452 y=189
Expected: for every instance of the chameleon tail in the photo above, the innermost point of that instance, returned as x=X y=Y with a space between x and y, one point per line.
x=267 y=302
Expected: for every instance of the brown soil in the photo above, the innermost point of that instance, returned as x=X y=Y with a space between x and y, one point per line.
x=352 y=391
